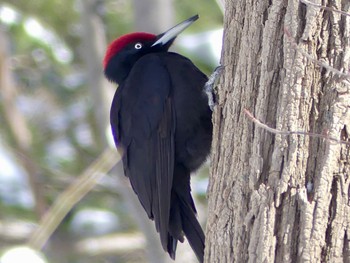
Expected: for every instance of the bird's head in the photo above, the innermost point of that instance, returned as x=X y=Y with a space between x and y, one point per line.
x=123 y=52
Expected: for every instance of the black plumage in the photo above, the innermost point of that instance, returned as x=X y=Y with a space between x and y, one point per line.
x=161 y=120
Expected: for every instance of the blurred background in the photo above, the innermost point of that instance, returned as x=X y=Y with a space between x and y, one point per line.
x=54 y=123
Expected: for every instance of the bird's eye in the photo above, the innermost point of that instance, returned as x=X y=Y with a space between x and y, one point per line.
x=138 y=45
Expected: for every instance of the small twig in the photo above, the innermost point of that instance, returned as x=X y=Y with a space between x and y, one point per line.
x=71 y=196
x=288 y=133
x=320 y=63
x=306 y=2
x=325 y=7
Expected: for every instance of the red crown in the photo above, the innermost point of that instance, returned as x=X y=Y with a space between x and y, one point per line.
x=124 y=40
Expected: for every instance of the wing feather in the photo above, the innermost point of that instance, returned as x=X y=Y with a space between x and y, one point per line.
x=143 y=124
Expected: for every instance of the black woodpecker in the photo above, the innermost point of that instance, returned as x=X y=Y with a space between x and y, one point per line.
x=161 y=120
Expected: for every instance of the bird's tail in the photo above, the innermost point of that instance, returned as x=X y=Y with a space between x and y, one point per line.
x=192 y=230
x=183 y=218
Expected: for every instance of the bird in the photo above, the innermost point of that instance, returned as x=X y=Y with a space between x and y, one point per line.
x=161 y=121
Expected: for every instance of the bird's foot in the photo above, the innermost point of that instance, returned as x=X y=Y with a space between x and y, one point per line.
x=210 y=84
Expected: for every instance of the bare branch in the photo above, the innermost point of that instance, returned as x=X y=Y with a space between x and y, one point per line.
x=74 y=193
x=322 y=64
x=325 y=7
x=288 y=133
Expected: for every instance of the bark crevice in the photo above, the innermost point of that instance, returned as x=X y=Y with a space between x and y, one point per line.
x=278 y=198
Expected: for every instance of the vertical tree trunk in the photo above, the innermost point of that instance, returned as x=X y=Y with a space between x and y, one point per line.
x=277 y=198
x=93 y=47
x=153 y=16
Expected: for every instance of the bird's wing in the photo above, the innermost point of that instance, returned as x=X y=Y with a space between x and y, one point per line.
x=143 y=123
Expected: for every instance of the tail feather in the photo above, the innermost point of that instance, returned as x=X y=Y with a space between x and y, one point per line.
x=192 y=230
x=182 y=222
x=182 y=217
x=172 y=244
x=175 y=219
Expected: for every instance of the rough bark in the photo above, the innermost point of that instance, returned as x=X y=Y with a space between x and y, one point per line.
x=275 y=198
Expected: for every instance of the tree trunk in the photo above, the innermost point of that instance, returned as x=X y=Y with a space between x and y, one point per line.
x=93 y=48
x=275 y=197
x=154 y=16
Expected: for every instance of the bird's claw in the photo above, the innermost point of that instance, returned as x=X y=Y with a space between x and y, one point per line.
x=210 y=84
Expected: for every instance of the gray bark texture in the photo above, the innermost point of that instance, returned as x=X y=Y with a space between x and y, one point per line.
x=276 y=197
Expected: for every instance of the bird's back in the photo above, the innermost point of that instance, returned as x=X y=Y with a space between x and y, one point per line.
x=193 y=134
x=161 y=118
